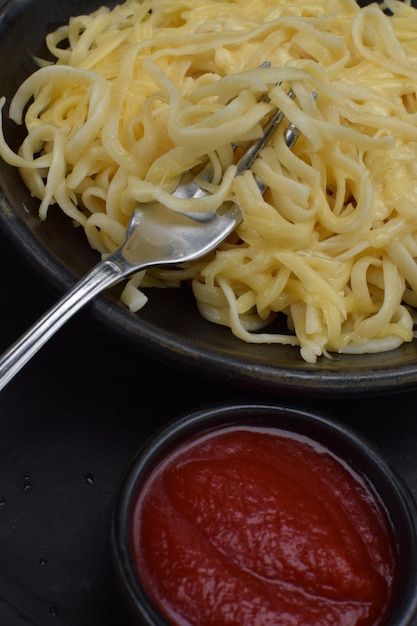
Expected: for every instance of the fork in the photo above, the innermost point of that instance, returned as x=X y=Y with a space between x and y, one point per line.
x=156 y=235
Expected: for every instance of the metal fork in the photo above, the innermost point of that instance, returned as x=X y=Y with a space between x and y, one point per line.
x=156 y=235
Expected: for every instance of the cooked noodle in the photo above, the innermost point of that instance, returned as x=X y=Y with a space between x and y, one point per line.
x=144 y=92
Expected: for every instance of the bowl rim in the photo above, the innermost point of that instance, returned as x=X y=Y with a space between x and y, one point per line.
x=362 y=454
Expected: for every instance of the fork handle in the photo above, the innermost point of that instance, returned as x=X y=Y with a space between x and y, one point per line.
x=103 y=275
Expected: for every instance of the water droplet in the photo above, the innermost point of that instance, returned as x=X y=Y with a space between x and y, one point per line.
x=54 y=610
x=27 y=484
x=88 y=478
x=2 y=501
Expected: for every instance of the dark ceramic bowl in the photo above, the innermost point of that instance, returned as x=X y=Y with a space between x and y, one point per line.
x=61 y=255
x=340 y=439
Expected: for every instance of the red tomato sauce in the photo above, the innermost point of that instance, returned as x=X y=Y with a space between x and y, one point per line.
x=259 y=527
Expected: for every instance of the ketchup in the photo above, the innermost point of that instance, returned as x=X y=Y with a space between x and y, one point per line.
x=260 y=527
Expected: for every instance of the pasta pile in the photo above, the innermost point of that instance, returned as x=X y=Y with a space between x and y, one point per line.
x=142 y=93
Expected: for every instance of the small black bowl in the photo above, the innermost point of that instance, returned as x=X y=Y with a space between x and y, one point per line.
x=341 y=440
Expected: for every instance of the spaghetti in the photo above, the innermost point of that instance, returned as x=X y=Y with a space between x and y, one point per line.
x=142 y=93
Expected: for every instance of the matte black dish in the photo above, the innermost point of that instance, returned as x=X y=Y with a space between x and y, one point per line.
x=344 y=441
x=61 y=255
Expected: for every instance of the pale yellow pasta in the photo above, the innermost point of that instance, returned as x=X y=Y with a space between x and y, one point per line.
x=141 y=94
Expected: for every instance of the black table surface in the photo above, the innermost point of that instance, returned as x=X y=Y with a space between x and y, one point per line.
x=69 y=424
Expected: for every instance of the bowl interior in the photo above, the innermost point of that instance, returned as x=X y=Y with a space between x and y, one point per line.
x=60 y=254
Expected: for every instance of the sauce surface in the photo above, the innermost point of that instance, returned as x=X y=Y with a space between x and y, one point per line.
x=259 y=527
